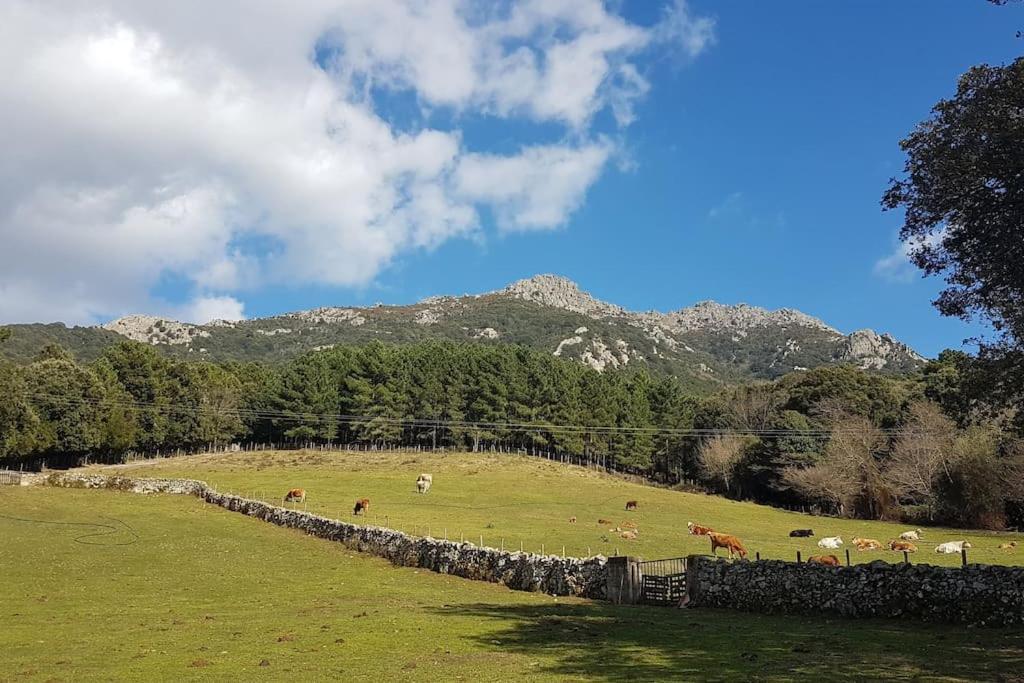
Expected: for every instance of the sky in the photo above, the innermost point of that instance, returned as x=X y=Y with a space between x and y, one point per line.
x=240 y=159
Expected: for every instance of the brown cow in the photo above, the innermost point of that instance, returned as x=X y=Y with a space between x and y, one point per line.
x=628 y=524
x=631 y=505
x=902 y=546
x=827 y=560
x=1008 y=546
x=604 y=522
x=867 y=544
x=730 y=543
x=295 y=496
x=362 y=505
x=698 y=530
x=572 y=520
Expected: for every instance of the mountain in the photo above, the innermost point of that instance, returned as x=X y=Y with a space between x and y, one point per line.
x=705 y=344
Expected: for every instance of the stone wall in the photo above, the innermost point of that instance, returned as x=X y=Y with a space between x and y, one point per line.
x=976 y=594
x=520 y=571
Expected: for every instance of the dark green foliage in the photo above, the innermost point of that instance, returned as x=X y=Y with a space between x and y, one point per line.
x=963 y=196
x=485 y=397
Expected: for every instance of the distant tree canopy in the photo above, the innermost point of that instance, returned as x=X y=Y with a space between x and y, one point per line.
x=963 y=196
x=839 y=438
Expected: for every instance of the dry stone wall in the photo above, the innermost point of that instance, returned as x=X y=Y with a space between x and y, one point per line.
x=520 y=571
x=983 y=595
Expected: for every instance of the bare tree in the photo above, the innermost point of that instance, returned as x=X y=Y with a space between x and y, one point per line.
x=719 y=457
x=753 y=406
x=925 y=451
x=850 y=473
x=827 y=482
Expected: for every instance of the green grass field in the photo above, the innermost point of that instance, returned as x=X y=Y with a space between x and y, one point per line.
x=168 y=588
x=520 y=500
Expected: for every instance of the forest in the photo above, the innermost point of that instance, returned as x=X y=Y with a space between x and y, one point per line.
x=923 y=447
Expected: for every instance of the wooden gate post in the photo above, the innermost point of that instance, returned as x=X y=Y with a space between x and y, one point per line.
x=624 y=580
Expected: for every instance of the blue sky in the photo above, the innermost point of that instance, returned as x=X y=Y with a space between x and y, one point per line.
x=751 y=169
x=759 y=169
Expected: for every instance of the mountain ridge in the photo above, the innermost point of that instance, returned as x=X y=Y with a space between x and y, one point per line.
x=706 y=343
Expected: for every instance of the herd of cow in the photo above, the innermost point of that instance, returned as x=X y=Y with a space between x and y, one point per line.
x=423 y=484
x=905 y=543
x=629 y=531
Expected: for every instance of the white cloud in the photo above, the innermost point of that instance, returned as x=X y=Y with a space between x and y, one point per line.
x=536 y=189
x=204 y=309
x=897 y=266
x=201 y=142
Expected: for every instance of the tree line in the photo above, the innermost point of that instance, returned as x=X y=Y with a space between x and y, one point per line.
x=836 y=438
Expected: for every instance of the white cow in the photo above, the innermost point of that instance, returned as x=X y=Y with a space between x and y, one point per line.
x=423 y=482
x=951 y=547
x=831 y=542
x=914 y=535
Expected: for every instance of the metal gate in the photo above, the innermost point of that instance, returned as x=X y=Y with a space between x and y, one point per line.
x=663 y=582
x=10 y=477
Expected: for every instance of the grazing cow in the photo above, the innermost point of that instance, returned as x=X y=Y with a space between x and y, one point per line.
x=630 y=534
x=914 y=535
x=866 y=544
x=423 y=482
x=902 y=546
x=831 y=542
x=950 y=547
x=362 y=505
x=827 y=560
x=801 y=533
x=604 y=522
x=572 y=520
x=1008 y=546
x=731 y=543
x=295 y=496
x=631 y=505
x=698 y=530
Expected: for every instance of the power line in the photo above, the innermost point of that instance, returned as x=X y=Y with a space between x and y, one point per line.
x=340 y=419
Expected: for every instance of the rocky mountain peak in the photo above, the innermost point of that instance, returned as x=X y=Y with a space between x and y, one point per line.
x=870 y=350
x=560 y=292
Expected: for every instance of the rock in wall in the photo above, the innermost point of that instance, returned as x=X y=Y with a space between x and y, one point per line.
x=520 y=571
x=984 y=595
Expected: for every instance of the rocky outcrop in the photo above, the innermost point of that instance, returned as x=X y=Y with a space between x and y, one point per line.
x=330 y=315
x=152 y=330
x=560 y=292
x=486 y=333
x=983 y=595
x=709 y=316
x=549 y=574
x=871 y=351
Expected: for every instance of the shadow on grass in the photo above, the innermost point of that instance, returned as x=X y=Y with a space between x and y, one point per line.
x=606 y=642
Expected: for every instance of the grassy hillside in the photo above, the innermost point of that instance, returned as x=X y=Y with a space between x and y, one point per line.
x=178 y=590
x=529 y=501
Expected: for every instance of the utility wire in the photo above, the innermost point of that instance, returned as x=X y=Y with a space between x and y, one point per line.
x=438 y=423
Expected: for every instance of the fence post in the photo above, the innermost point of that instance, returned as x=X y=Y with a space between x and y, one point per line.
x=757 y=556
x=963 y=555
x=798 y=560
x=624 y=580
x=847 y=557
x=906 y=557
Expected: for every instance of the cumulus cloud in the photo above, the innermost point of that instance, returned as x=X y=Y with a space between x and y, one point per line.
x=205 y=309
x=234 y=145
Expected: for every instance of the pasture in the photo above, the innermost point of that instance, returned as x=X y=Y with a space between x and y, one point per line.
x=103 y=585
x=521 y=500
